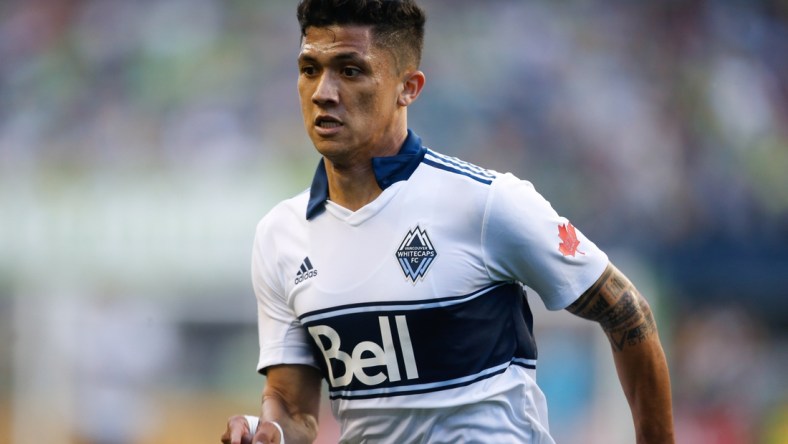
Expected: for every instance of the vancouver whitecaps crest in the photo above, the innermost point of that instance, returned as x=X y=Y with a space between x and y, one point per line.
x=415 y=254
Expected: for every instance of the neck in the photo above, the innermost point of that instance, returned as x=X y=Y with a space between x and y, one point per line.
x=351 y=189
x=351 y=182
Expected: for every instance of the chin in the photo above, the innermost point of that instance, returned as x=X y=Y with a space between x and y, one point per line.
x=329 y=148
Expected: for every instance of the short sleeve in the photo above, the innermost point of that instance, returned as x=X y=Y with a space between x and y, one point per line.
x=524 y=239
x=283 y=339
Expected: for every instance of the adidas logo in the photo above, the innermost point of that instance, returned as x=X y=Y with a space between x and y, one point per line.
x=305 y=272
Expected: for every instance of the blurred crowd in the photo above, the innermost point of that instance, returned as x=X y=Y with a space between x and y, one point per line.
x=659 y=127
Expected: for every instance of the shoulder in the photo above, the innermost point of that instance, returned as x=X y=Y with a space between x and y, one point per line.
x=470 y=184
x=460 y=169
x=465 y=176
x=288 y=213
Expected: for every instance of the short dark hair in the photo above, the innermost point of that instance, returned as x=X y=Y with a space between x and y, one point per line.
x=396 y=24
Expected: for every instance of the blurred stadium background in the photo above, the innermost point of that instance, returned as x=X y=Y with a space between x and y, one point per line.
x=141 y=141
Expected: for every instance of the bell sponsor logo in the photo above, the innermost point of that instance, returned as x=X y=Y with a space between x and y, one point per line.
x=368 y=354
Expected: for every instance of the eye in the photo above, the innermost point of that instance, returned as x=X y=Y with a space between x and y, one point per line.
x=350 y=71
x=308 y=70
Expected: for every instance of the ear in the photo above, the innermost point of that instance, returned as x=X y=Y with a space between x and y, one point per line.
x=412 y=84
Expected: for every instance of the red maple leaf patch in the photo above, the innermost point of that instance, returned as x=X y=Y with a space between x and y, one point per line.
x=569 y=244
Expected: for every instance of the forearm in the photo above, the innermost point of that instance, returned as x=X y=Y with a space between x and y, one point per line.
x=643 y=372
x=291 y=398
x=298 y=426
x=628 y=322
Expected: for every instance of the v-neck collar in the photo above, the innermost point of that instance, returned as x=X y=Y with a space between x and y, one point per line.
x=387 y=170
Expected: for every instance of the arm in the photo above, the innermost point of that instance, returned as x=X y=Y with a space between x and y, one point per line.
x=626 y=319
x=291 y=398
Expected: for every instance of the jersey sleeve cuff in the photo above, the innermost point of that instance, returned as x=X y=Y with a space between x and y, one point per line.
x=279 y=355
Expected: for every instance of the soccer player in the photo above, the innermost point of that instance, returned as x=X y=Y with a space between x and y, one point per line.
x=399 y=276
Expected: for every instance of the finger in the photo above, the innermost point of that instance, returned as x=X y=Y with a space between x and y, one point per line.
x=237 y=431
x=240 y=436
x=226 y=438
x=236 y=437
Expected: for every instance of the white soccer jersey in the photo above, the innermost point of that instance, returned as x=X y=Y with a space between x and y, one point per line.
x=412 y=307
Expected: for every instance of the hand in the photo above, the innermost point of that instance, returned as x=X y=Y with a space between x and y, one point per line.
x=268 y=433
x=237 y=431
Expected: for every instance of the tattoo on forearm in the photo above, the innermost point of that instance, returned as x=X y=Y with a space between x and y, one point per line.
x=623 y=314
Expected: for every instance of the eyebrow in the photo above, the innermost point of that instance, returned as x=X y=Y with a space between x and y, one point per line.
x=349 y=56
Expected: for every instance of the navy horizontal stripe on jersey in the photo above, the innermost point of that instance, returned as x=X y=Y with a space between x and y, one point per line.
x=398 y=348
x=416 y=389
x=388 y=306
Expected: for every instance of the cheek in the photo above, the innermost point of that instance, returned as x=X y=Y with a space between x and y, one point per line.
x=303 y=95
x=367 y=101
x=305 y=92
x=375 y=103
x=305 y=101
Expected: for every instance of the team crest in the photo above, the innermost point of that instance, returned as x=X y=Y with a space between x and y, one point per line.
x=416 y=254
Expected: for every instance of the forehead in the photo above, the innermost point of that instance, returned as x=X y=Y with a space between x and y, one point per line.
x=336 y=39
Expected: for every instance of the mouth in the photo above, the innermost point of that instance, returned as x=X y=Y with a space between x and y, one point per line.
x=327 y=122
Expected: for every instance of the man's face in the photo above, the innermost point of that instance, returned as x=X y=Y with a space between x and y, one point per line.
x=348 y=89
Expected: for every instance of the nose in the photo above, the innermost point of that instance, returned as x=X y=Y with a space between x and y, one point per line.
x=327 y=90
